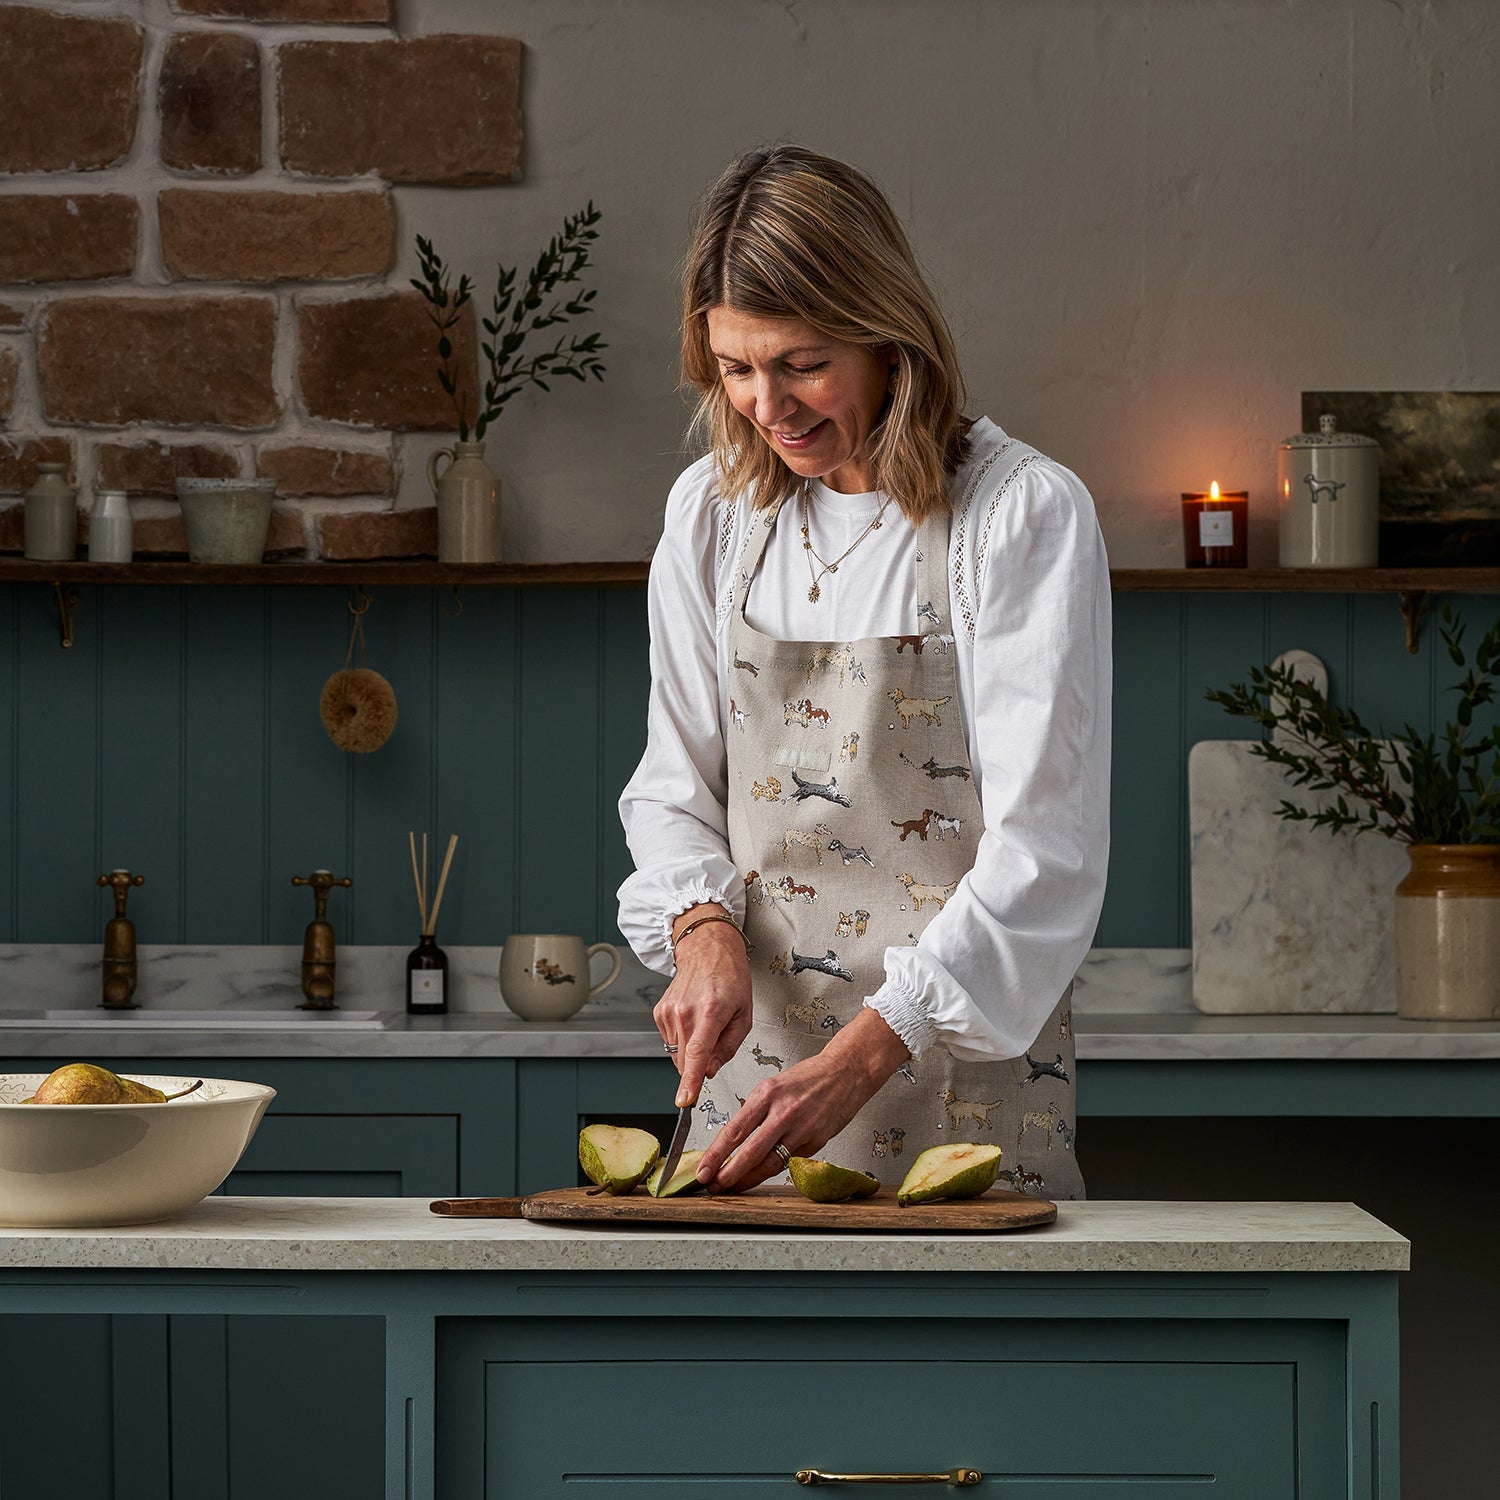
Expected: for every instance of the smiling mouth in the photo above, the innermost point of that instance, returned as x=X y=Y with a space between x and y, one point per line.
x=797 y=437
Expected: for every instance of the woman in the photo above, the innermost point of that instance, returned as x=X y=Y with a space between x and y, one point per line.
x=871 y=823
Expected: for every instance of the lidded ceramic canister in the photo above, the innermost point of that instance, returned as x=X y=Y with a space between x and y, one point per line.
x=1328 y=498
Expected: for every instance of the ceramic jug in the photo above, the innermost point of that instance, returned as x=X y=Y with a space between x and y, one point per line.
x=468 y=504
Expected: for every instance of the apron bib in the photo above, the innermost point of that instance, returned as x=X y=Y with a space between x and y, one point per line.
x=852 y=817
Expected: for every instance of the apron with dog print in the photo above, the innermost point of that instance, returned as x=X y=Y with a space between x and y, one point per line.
x=852 y=817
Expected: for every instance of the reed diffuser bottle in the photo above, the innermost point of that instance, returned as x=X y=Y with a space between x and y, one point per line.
x=427 y=964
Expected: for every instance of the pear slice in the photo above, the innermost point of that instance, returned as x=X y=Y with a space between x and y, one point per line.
x=617 y=1157
x=824 y=1182
x=950 y=1172
x=683 y=1182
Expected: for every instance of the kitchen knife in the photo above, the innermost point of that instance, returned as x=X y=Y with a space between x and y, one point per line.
x=674 y=1151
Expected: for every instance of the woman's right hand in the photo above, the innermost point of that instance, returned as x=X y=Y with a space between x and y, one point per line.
x=705 y=1012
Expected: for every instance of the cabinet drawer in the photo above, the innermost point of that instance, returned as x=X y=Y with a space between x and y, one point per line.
x=1110 y=1411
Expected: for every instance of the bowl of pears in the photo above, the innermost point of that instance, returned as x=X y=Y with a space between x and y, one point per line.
x=83 y=1148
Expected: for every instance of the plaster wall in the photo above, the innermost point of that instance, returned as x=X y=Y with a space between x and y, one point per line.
x=1153 y=223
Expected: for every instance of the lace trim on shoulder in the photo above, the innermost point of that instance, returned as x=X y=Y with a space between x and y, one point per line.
x=725 y=599
x=967 y=606
x=981 y=553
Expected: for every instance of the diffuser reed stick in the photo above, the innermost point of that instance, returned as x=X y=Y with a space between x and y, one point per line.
x=416 y=876
x=430 y=926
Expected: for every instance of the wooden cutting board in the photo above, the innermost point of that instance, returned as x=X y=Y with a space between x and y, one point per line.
x=998 y=1211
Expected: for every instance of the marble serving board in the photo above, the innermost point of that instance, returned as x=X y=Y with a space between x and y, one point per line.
x=1287 y=917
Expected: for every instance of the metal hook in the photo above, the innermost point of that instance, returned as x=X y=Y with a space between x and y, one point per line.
x=66 y=601
x=458 y=600
x=364 y=599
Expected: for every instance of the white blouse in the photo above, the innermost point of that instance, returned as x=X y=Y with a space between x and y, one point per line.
x=1030 y=595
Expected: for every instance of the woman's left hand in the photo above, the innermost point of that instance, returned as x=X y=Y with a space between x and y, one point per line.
x=803 y=1107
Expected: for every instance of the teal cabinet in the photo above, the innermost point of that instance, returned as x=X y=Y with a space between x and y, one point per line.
x=1101 y=1397
x=222 y=1407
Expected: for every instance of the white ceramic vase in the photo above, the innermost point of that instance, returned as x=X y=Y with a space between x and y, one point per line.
x=468 y=504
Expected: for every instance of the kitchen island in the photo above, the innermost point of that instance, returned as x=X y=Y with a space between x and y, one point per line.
x=1252 y=1346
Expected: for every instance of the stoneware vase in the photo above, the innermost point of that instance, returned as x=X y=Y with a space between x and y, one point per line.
x=50 y=525
x=468 y=504
x=1448 y=934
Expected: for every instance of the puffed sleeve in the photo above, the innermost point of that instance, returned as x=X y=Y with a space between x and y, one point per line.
x=991 y=966
x=674 y=807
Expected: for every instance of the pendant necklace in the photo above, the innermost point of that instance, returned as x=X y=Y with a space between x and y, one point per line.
x=815 y=593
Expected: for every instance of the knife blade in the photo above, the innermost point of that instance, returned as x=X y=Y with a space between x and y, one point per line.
x=674 y=1150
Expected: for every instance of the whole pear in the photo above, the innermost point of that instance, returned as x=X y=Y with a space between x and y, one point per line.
x=81 y=1083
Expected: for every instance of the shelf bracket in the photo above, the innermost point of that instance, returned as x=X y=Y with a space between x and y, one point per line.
x=67 y=602
x=1413 y=604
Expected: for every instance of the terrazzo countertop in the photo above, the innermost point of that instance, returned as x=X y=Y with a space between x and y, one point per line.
x=1129 y=1004
x=402 y=1234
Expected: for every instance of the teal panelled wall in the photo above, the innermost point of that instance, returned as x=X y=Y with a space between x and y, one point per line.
x=180 y=737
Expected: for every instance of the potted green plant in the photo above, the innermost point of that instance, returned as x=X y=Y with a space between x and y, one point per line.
x=1437 y=793
x=466 y=489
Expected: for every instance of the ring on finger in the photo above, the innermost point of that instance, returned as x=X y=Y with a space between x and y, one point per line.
x=782 y=1152
x=669 y=1046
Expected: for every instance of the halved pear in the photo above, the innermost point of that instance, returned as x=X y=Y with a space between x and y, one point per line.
x=617 y=1157
x=963 y=1171
x=683 y=1181
x=825 y=1182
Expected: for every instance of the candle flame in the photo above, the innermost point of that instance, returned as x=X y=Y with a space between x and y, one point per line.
x=1213 y=490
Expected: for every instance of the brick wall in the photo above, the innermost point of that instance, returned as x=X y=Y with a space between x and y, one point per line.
x=198 y=235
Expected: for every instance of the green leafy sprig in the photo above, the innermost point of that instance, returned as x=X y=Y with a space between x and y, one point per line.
x=514 y=317
x=1439 y=788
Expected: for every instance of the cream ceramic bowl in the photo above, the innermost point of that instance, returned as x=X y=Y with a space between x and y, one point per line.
x=91 y=1165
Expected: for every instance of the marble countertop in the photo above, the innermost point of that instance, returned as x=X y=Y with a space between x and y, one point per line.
x=402 y=1234
x=1129 y=1005
x=1123 y=1036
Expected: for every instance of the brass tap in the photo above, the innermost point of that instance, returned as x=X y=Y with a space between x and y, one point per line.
x=318 y=944
x=119 y=945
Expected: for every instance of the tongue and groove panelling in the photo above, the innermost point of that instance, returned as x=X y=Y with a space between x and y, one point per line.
x=180 y=737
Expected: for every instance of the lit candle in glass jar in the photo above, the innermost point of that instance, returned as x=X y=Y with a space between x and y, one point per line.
x=1215 y=527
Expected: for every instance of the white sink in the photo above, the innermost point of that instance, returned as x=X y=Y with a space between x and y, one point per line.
x=146 y=1019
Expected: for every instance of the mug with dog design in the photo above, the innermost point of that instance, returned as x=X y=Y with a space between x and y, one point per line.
x=544 y=976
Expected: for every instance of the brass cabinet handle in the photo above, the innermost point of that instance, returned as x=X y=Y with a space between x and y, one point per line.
x=959 y=1477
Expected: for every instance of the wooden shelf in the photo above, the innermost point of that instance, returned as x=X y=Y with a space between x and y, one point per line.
x=417 y=573
x=1309 y=580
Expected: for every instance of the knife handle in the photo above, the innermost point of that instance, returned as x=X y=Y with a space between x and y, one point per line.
x=478 y=1208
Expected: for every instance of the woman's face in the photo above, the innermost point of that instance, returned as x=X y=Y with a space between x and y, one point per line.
x=814 y=399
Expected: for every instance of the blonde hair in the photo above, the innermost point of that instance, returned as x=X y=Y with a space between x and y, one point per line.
x=787 y=233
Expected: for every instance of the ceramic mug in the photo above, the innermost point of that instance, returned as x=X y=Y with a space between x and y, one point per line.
x=544 y=976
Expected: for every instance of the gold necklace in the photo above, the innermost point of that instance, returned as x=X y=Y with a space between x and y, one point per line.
x=815 y=593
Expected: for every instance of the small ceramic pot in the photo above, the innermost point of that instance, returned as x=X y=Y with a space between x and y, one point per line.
x=227 y=520
x=1448 y=934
